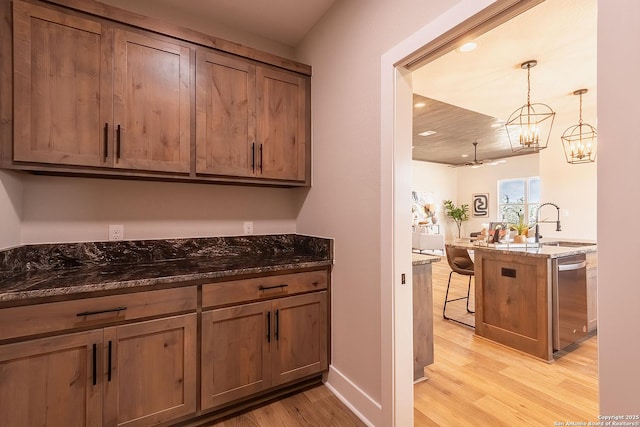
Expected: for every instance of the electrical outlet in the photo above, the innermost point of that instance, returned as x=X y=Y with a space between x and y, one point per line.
x=116 y=232
x=248 y=227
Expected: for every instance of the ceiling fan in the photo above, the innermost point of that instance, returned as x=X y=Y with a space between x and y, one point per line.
x=475 y=163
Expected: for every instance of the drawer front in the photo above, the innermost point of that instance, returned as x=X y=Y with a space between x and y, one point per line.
x=58 y=316
x=239 y=291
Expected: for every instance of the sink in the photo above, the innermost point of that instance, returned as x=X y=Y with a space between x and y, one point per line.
x=568 y=244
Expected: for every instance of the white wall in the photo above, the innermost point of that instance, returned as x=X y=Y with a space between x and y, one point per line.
x=10 y=209
x=442 y=182
x=618 y=177
x=572 y=187
x=345 y=50
x=485 y=180
x=64 y=209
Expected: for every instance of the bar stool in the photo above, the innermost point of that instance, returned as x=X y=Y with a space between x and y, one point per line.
x=461 y=263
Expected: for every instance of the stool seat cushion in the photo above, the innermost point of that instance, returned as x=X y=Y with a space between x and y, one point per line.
x=463 y=263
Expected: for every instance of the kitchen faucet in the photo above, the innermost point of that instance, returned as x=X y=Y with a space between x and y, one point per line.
x=557 y=221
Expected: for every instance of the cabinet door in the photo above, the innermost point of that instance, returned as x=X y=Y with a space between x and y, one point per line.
x=52 y=381
x=62 y=87
x=235 y=360
x=151 y=104
x=281 y=125
x=225 y=115
x=300 y=337
x=150 y=374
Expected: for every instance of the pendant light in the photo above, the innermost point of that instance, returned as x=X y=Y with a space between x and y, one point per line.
x=529 y=127
x=580 y=141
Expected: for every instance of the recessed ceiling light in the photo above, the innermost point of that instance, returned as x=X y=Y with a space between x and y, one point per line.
x=419 y=104
x=465 y=155
x=427 y=133
x=496 y=125
x=467 y=47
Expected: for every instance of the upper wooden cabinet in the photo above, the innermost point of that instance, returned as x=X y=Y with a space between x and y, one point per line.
x=151 y=104
x=95 y=96
x=90 y=95
x=250 y=121
x=62 y=71
x=225 y=115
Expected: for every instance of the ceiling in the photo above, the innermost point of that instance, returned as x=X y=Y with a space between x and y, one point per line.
x=282 y=21
x=468 y=92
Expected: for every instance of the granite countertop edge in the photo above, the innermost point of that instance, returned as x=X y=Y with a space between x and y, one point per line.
x=422 y=259
x=539 y=252
x=85 y=290
x=82 y=270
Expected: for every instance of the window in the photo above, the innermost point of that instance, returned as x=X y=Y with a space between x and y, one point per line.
x=518 y=196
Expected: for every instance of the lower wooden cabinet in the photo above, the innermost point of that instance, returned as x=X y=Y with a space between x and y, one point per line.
x=139 y=374
x=134 y=361
x=150 y=371
x=54 y=382
x=251 y=347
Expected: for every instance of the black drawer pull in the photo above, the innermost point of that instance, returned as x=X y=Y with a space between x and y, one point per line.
x=106 y=141
x=253 y=157
x=109 y=364
x=118 y=143
x=91 y=313
x=277 y=325
x=265 y=288
x=95 y=362
x=268 y=326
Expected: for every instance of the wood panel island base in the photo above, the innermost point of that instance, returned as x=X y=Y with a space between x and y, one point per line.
x=517 y=301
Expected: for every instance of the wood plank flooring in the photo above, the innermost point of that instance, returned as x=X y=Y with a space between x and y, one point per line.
x=314 y=407
x=473 y=382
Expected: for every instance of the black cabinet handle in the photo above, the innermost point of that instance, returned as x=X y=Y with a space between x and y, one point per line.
x=268 y=326
x=109 y=364
x=110 y=310
x=106 y=141
x=253 y=157
x=95 y=363
x=118 y=142
x=265 y=288
x=260 y=158
x=277 y=324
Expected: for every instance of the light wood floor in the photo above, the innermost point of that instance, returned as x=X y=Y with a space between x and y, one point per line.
x=473 y=382
x=314 y=407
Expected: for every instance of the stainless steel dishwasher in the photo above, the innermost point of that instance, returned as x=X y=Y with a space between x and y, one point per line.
x=569 y=287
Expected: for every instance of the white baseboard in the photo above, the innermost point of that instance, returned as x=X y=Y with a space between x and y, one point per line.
x=359 y=402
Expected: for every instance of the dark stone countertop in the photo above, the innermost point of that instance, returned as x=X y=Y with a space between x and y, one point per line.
x=78 y=269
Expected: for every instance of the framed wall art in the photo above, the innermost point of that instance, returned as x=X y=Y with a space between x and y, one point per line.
x=480 y=205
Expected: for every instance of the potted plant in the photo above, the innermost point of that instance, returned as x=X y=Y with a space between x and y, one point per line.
x=521 y=228
x=458 y=214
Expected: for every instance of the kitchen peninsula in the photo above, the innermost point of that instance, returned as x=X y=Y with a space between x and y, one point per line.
x=521 y=297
